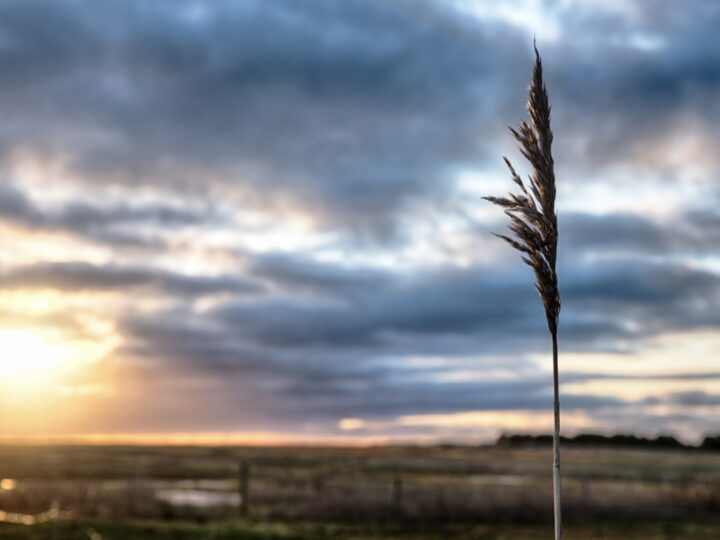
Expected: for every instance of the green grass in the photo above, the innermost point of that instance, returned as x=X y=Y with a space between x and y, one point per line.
x=141 y=530
x=166 y=530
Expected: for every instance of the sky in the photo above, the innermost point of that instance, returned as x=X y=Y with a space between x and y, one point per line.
x=263 y=221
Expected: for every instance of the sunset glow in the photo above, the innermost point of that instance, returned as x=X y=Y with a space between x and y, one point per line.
x=26 y=352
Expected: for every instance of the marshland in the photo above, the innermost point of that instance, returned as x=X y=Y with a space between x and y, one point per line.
x=495 y=491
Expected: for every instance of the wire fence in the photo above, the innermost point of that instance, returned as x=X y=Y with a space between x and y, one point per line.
x=258 y=490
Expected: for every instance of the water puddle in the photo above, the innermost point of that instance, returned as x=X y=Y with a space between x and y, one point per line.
x=198 y=498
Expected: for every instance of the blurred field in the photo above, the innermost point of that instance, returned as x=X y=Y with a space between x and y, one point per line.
x=384 y=492
x=137 y=530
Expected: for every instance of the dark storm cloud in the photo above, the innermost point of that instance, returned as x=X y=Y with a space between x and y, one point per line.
x=109 y=223
x=329 y=350
x=349 y=110
x=80 y=276
x=693 y=232
x=326 y=386
x=614 y=231
x=451 y=301
x=622 y=80
x=599 y=301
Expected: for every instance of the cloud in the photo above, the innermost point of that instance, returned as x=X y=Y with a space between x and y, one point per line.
x=611 y=232
x=692 y=399
x=336 y=341
x=600 y=301
x=350 y=114
x=109 y=223
x=82 y=277
x=347 y=111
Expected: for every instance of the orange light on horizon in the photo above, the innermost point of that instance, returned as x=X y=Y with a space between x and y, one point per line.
x=194 y=439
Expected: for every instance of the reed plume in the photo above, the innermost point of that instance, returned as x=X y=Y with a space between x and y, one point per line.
x=533 y=223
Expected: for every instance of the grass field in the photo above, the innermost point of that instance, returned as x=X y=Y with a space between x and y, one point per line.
x=224 y=530
x=122 y=493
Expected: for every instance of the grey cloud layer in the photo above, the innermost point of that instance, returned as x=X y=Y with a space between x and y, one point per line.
x=347 y=110
x=344 y=348
x=77 y=277
x=112 y=224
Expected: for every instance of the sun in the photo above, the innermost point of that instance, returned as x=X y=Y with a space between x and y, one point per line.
x=36 y=355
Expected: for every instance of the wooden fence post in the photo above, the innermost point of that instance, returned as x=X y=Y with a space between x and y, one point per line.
x=397 y=495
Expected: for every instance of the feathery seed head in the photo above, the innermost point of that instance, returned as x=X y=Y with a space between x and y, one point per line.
x=533 y=221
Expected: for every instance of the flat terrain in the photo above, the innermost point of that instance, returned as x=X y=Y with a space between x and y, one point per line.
x=121 y=493
x=141 y=530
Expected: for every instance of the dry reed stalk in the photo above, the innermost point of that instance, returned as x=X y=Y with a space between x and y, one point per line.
x=533 y=222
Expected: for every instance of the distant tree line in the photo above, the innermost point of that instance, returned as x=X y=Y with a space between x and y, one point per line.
x=663 y=442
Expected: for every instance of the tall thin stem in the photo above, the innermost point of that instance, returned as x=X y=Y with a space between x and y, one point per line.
x=533 y=222
x=556 y=443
